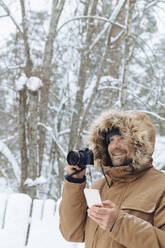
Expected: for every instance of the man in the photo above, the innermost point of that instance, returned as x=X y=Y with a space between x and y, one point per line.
x=133 y=191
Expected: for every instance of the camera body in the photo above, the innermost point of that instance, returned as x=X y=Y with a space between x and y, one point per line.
x=80 y=158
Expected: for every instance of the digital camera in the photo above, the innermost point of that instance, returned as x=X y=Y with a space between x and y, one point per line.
x=81 y=158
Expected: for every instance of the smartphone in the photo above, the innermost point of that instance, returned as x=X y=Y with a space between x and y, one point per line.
x=93 y=197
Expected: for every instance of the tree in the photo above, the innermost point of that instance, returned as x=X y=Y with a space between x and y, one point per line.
x=61 y=77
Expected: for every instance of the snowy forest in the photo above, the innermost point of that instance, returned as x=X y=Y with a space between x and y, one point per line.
x=62 y=63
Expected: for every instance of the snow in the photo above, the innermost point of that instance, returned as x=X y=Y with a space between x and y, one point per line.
x=8 y=154
x=44 y=223
x=39 y=180
x=49 y=129
x=158 y=156
x=89 y=90
x=20 y=83
x=34 y=83
x=60 y=240
x=16 y=219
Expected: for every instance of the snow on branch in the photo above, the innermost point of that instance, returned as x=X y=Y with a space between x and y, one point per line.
x=91 y=17
x=99 y=36
x=32 y=83
x=112 y=19
x=119 y=89
x=8 y=154
x=113 y=40
x=4 y=6
x=151 y=50
x=38 y=181
x=154 y=114
x=66 y=131
x=109 y=79
x=49 y=129
x=109 y=87
x=4 y=16
x=146 y=55
x=153 y=3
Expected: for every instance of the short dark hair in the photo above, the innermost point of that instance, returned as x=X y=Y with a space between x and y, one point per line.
x=110 y=133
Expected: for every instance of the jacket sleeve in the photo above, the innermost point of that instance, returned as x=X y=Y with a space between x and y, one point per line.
x=72 y=212
x=132 y=231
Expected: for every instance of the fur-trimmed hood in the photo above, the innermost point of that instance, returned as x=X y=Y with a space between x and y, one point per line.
x=136 y=128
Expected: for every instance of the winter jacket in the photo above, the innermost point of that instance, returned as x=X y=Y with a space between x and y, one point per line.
x=138 y=190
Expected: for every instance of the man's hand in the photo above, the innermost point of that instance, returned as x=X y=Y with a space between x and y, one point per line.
x=70 y=169
x=104 y=216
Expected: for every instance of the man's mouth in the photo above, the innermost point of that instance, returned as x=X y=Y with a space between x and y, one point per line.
x=118 y=155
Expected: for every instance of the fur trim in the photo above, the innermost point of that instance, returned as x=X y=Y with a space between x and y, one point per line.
x=136 y=128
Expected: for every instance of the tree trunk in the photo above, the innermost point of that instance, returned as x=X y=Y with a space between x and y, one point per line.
x=126 y=59
x=28 y=67
x=115 y=53
x=48 y=55
x=32 y=138
x=127 y=56
x=22 y=138
x=74 y=140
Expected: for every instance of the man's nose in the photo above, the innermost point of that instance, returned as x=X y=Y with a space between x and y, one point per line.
x=116 y=144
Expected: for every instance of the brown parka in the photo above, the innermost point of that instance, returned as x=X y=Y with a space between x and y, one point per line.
x=139 y=191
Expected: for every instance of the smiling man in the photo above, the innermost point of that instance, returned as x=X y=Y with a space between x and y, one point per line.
x=132 y=190
x=119 y=151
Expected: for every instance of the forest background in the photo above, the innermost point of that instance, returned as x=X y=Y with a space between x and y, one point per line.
x=63 y=62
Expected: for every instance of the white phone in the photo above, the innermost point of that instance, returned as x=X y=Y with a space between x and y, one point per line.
x=93 y=197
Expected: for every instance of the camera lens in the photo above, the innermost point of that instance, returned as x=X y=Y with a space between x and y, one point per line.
x=73 y=158
x=80 y=158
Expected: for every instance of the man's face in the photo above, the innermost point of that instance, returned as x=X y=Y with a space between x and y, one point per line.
x=119 y=151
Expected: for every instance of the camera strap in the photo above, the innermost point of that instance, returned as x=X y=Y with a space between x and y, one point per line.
x=75 y=172
x=69 y=177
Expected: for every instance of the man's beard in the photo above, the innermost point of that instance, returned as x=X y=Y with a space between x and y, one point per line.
x=125 y=162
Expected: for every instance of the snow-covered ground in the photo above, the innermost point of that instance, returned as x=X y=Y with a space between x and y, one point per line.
x=60 y=240
x=44 y=223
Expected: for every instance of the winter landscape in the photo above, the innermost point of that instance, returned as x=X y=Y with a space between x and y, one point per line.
x=62 y=63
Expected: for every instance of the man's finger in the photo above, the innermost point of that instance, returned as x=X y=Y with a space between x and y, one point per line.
x=95 y=217
x=109 y=204
x=102 y=226
x=100 y=211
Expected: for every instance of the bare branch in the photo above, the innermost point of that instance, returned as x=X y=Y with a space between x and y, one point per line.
x=91 y=17
x=4 y=6
x=115 y=39
x=151 y=4
x=119 y=90
x=49 y=129
x=4 y=16
x=153 y=113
